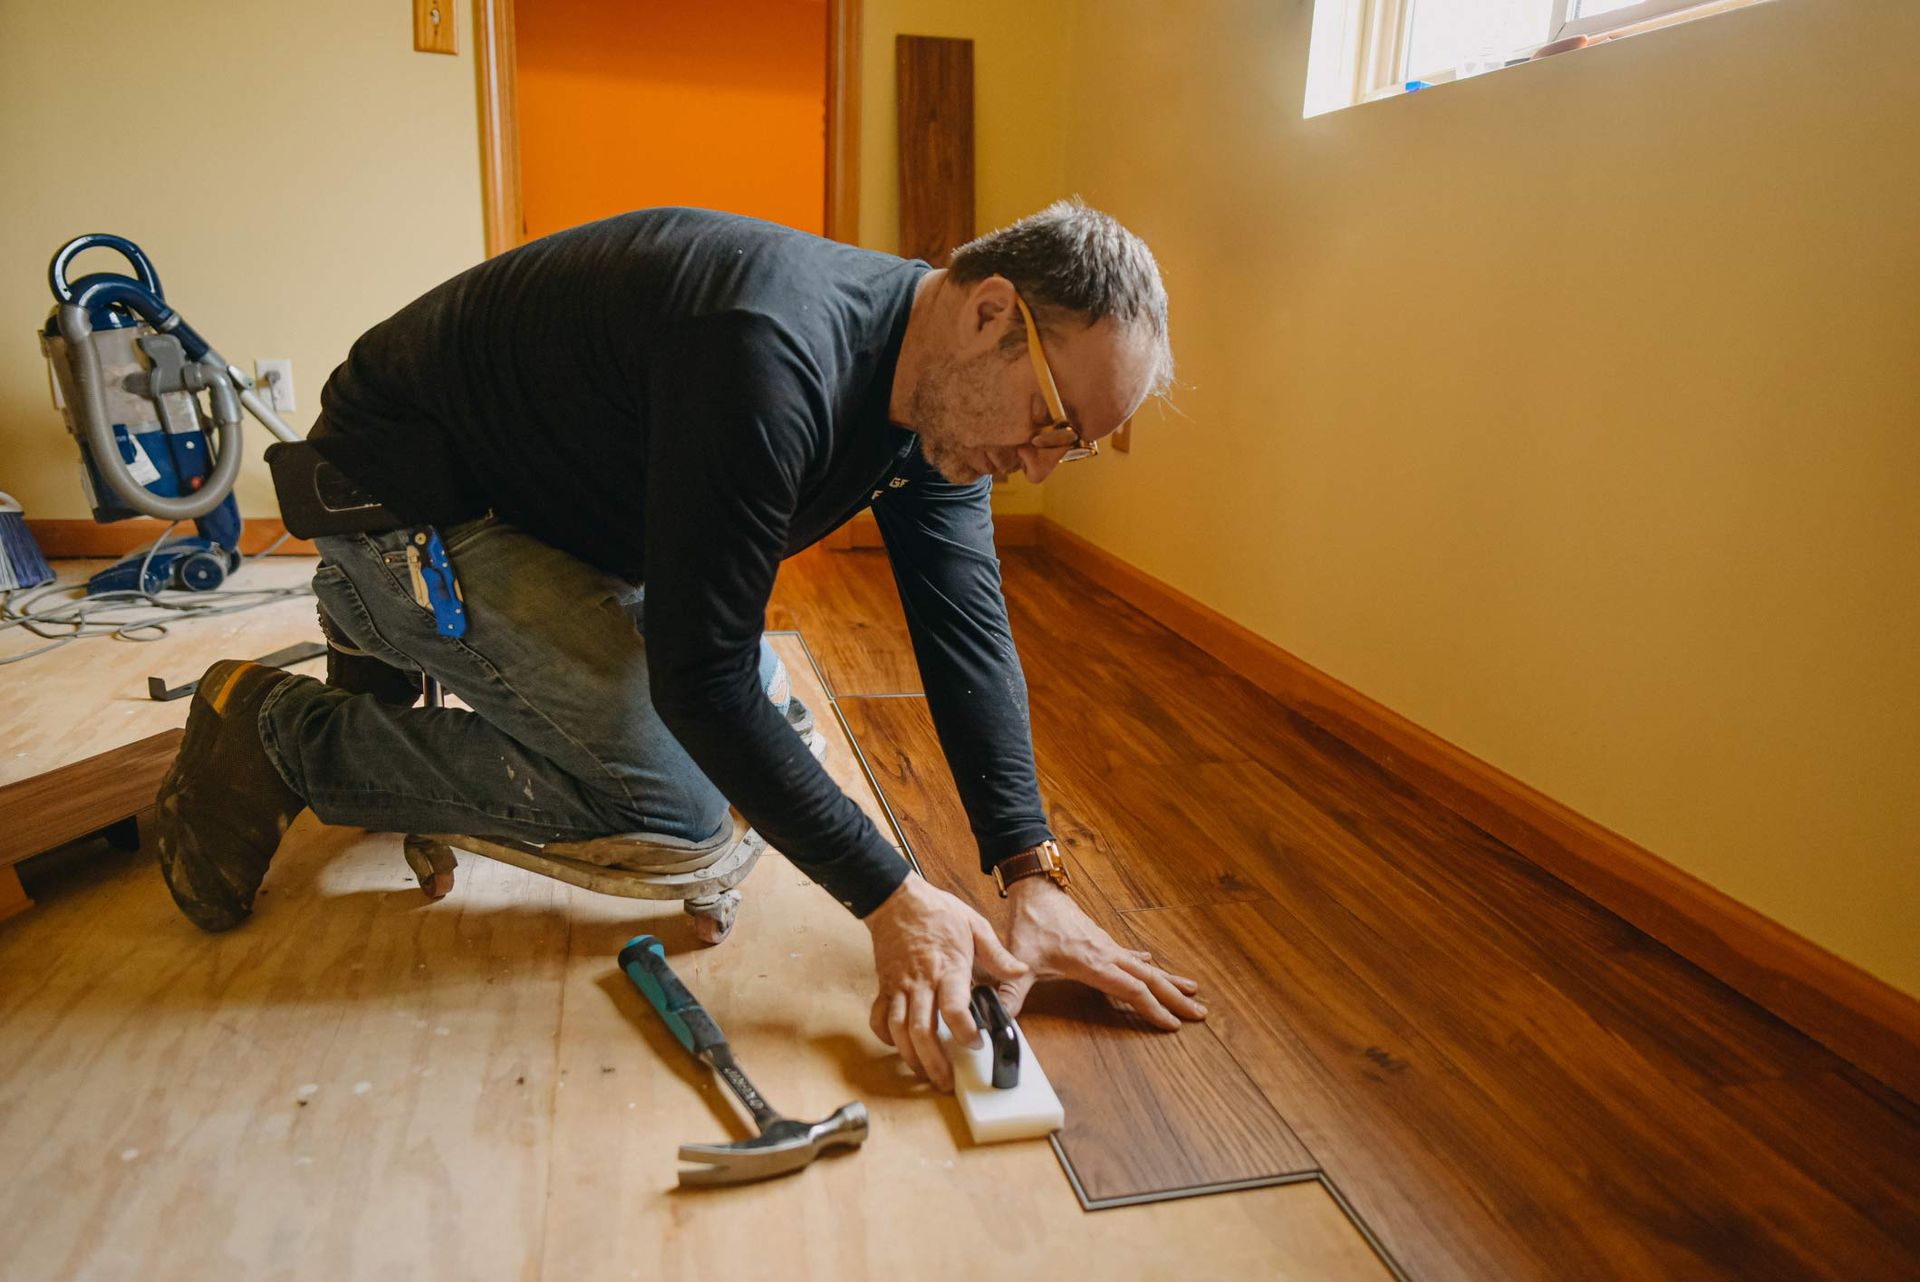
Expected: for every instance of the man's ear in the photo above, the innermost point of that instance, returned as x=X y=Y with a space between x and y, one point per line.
x=987 y=311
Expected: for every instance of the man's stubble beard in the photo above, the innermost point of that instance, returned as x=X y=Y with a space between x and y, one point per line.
x=946 y=402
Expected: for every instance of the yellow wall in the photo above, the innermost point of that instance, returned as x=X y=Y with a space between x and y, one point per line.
x=1020 y=70
x=1573 y=412
x=295 y=172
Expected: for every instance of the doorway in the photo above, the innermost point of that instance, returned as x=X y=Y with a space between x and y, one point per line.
x=589 y=109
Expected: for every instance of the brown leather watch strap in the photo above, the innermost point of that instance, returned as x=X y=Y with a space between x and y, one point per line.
x=1043 y=860
x=1028 y=863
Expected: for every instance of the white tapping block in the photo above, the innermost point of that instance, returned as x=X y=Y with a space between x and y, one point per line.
x=1020 y=1112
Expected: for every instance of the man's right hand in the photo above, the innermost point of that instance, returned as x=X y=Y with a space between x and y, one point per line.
x=927 y=945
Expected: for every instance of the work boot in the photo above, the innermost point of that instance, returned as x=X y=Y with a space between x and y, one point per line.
x=222 y=808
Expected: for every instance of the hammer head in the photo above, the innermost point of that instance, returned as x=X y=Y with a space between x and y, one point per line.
x=784 y=1146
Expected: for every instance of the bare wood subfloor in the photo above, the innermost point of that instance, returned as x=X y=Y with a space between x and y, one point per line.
x=363 y=1083
x=84 y=745
x=1503 y=1079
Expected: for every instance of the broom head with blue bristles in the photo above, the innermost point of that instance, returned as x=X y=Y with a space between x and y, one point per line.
x=21 y=564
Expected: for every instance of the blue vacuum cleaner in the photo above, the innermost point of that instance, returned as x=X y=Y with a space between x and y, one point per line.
x=128 y=375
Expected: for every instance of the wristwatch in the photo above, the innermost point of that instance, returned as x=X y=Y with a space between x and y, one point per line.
x=1043 y=860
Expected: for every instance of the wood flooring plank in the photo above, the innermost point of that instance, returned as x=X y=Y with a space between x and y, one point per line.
x=1534 y=1144
x=1853 y=1135
x=846 y=605
x=78 y=799
x=933 y=114
x=1146 y=1111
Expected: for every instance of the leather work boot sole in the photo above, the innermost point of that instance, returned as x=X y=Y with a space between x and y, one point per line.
x=221 y=809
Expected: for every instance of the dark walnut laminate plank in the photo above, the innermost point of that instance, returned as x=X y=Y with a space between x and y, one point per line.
x=1859 y=1139
x=846 y=605
x=1171 y=835
x=1147 y=1112
x=1525 y=1159
x=1417 y=1148
x=933 y=83
x=1096 y=721
x=1587 y=1087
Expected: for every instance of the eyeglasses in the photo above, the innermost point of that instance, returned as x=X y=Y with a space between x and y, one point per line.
x=1081 y=448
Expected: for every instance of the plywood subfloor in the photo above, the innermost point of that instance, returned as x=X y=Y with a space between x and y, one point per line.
x=362 y=1083
x=90 y=697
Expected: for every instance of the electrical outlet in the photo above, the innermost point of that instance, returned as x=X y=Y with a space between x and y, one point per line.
x=276 y=376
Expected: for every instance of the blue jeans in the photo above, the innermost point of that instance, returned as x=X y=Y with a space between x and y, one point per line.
x=562 y=742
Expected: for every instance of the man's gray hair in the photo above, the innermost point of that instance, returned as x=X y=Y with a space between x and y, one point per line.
x=1070 y=259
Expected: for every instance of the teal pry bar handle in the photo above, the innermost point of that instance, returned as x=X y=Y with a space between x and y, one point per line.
x=645 y=962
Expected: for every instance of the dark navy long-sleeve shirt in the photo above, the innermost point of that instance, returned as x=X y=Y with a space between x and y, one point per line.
x=684 y=399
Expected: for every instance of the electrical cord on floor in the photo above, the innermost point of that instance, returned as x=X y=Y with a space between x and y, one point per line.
x=51 y=613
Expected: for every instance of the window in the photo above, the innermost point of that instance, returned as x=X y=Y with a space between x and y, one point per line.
x=1367 y=49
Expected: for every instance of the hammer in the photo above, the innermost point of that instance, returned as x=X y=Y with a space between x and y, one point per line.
x=783 y=1145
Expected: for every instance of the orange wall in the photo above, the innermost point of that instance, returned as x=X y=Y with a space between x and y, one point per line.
x=719 y=103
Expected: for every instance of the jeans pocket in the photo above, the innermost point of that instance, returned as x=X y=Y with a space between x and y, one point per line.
x=347 y=611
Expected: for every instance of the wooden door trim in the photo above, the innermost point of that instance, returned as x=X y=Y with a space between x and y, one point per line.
x=502 y=211
x=843 y=120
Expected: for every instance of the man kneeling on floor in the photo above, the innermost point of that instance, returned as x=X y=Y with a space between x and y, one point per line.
x=618 y=432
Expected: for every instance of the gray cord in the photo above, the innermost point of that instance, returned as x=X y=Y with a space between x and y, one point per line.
x=66 y=618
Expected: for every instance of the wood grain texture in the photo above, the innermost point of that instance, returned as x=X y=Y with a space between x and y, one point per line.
x=355 y=1084
x=68 y=803
x=934 y=100
x=364 y=1083
x=1147 y=1112
x=846 y=605
x=90 y=697
x=1861 y=1017
x=63 y=538
x=1485 y=1130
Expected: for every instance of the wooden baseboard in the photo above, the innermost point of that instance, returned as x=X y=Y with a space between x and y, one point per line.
x=75 y=800
x=1858 y=1016
x=1010 y=530
x=78 y=538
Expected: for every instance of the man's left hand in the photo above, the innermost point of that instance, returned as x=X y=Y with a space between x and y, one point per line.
x=1054 y=936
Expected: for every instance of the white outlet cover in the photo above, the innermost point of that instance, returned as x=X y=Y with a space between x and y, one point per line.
x=276 y=378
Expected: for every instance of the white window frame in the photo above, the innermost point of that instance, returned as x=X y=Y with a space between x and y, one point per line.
x=1381 y=33
x=1600 y=24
